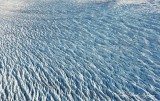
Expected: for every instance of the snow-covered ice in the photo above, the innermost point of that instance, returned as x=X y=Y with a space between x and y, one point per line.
x=82 y=50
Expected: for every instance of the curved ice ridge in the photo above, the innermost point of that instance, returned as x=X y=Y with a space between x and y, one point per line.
x=60 y=50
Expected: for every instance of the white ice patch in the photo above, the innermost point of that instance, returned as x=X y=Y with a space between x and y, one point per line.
x=7 y=5
x=131 y=1
x=87 y=1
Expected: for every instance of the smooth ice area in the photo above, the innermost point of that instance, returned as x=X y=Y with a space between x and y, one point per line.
x=82 y=50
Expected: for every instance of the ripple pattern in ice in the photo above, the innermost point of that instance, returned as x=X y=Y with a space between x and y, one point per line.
x=58 y=50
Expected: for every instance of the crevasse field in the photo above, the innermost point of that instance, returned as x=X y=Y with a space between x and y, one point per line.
x=81 y=50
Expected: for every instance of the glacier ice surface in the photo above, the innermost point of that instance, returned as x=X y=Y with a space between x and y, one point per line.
x=79 y=50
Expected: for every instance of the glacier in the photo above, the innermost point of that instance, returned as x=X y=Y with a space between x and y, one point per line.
x=81 y=50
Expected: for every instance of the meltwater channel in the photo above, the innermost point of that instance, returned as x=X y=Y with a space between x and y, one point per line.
x=79 y=50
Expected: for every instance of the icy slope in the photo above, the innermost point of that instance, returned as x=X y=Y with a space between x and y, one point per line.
x=69 y=50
